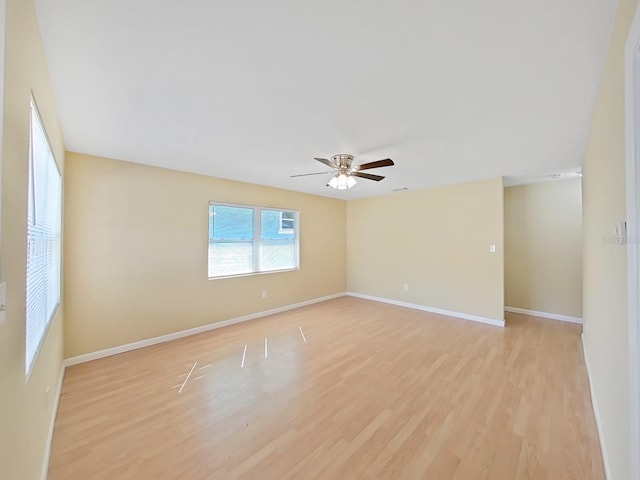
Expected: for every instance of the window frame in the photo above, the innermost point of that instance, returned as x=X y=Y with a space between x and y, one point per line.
x=34 y=113
x=257 y=238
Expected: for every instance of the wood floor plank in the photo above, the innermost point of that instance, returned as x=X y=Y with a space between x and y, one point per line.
x=375 y=392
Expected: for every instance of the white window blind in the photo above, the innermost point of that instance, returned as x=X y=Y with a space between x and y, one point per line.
x=43 y=238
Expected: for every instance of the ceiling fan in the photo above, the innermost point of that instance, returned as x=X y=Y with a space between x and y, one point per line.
x=344 y=172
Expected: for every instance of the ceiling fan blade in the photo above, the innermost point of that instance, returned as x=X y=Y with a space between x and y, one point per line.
x=368 y=176
x=327 y=162
x=387 y=162
x=306 y=174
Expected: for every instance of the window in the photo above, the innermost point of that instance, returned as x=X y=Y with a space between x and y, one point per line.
x=245 y=240
x=43 y=238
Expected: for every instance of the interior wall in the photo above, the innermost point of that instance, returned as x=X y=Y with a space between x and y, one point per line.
x=26 y=409
x=436 y=241
x=136 y=243
x=605 y=273
x=543 y=247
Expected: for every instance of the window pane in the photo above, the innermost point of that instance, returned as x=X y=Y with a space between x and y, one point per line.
x=233 y=258
x=277 y=246
x=271 y=225
x=231 y=223
x=277 y=254
x=230 y=240
x=287 y=221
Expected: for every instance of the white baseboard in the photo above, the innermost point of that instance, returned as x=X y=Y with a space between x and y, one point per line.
x=439 y=311
x=87 y=357
x=54 y=412
x=552 y=316
x=596 y=414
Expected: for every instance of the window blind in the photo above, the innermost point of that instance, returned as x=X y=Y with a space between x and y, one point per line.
x=43 y=238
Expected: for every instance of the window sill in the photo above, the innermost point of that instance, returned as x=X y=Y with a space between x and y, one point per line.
x=250 y=274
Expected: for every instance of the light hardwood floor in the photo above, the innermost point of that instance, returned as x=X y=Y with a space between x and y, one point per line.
x=375 y=392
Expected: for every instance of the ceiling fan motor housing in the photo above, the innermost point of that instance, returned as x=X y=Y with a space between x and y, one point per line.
x=343 y=161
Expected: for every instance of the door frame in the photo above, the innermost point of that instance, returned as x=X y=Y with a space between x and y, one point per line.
x=632 y=148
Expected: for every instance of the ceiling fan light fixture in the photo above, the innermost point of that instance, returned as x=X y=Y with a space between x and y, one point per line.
x=342 y=181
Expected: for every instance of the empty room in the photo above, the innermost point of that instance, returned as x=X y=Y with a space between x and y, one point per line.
x=330 y=240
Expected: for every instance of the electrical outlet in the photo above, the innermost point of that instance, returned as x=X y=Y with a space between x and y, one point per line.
x=264 y=294
x=492 y=248
x=405 y=287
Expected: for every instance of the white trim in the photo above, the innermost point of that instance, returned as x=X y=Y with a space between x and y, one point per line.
x=54 y=413
x=439 y=311
x=551 y=316
x=632 y=149
x=596 y=414
x=87 y=357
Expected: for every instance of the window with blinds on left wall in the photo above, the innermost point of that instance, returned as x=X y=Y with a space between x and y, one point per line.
x=43 y=238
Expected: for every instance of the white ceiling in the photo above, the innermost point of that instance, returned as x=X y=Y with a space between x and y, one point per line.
x=251 y=90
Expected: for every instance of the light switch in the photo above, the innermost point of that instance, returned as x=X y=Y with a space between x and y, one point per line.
x=492 y=248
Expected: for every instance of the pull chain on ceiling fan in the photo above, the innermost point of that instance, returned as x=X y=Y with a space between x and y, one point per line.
x=344 y=174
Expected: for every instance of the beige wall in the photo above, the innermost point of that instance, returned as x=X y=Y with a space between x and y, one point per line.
x=136 y=253
x=436 y=241
x=25 y=410
x=543 y=247
x=605 y=285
